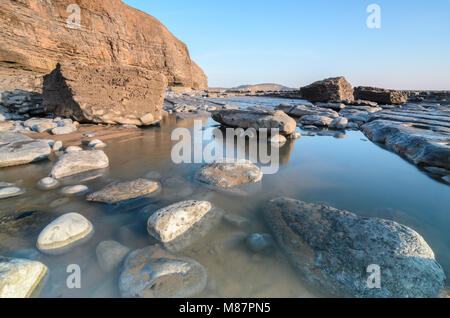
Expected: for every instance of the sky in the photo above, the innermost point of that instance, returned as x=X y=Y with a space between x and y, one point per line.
x=296 y=42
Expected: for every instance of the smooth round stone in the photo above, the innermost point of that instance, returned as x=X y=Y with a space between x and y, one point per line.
x=73 y=149
x=21 y=278
x=75 y=190
x=153 y=272
x=110 y=254
x=10 y=192
x=64 y=233
x=260 y=242
x=48 y=183
x=97 y=144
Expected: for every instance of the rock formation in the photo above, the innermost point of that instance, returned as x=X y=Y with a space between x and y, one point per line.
x=381 y=95
x=330 y=89
x=36 y=35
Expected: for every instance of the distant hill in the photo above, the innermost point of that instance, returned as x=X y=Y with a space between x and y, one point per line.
x=264 y=87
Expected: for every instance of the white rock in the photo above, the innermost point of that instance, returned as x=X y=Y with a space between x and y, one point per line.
x=78 y=162
x=97 y=144
x=171 y=222
x=10 y=192
x=73 y=149
x=63 y=130
x=339 y=123
x=74 y=190
x=48 y=183
x=20 y=278
x=64 y=233
x=57 y=146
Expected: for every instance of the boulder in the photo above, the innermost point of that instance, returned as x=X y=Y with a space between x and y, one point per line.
x=316 y=120
x=105 y=94
x=328 y=90
x=64 y=233
x=230 y=175
x=256 y=119
x=118 y=192
x=110 y=255
x=21 y=278
x=35 y=36
x=78 y=162
x=17 y=149
x=381 y=95
x=155 y=273
x=333 y=249
x=169 y=223
x=339 y=123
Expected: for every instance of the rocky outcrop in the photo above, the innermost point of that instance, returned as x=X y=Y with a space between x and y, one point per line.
x=381 y=95
x=333 y=249
x=256 y=119
x=328 y=90
x=35 y=36
x=105 y=94
x=155 y=273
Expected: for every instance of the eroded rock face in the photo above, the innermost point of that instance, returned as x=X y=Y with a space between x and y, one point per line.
x=381 y=95
x=35 y=36
x=78 y=162
x=21 y=278
x=332 y=249
x=330 y=89
x=122 y=191
x=256 y=119
x=155 y=273
x=105 y=94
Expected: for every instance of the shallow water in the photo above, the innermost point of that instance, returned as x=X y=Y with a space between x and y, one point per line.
x=348 y=173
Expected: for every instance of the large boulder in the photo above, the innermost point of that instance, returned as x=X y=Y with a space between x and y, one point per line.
x=105 y=94
x=155 y=273
x=256 y=119
x=21 y=278
x=330 y=89
x=35 y=35
x=17 y=149
x=78 y=162
x=381 y=95
x=333 y=249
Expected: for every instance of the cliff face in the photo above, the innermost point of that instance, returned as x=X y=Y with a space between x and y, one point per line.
x=35 y=36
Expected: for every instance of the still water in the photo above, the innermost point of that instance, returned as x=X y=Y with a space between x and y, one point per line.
x=345 y=171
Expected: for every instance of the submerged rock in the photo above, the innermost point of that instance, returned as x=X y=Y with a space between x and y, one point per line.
x=48 y=183
x=78 y=162
x=168 y=224
x=259 y=243
x=110 y=254
x=117 y=192
x=64 y=233
x=21 y=278
x=74 y=190
x=332 y=249
x=155 y=273
x=230 y=175
x=256 y=119
x=10 y=192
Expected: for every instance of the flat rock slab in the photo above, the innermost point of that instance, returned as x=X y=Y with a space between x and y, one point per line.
x=229 y=175
x=155 y=273
x=21 y=278
x=422 y=146
x=78 y=162
x=64 y=233
x=10 y=192
x=17 y=149
x=122 y=191
x=257 y=120
x=332 y=249
x=307 y=110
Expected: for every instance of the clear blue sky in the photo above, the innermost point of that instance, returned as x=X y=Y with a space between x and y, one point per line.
x=295 y=42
